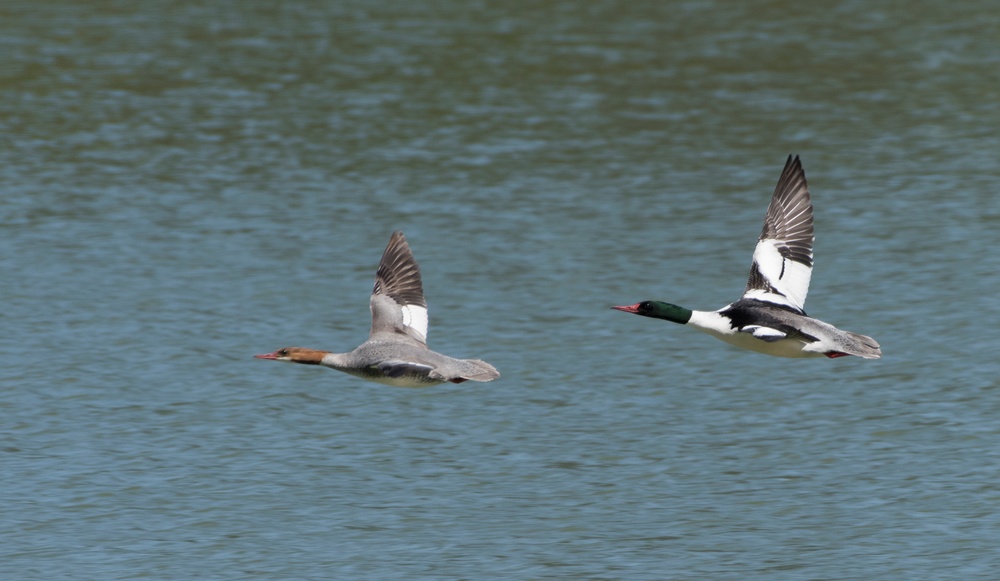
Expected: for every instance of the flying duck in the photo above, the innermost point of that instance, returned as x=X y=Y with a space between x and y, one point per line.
x=769 y=317
x=396 y=351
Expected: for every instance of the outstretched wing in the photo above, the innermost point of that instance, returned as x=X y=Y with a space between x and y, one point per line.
x=783 y=259
x=397 y=301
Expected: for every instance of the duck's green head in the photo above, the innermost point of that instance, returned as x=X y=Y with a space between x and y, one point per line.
x=658 y=310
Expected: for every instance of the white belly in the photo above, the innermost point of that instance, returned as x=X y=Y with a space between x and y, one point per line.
x=780 y=348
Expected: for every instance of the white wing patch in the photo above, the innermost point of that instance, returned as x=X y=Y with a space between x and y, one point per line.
x=764 y=333
x=784 y=276
x=415 y=317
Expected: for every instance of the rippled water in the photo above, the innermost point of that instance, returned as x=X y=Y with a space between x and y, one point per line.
x=182 y=186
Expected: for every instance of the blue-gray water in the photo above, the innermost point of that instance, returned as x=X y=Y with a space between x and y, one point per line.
x=183 y=185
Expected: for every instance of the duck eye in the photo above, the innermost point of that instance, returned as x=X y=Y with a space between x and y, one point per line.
x=283 y=352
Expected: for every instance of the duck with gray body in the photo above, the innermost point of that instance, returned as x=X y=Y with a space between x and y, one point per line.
x=770 y=318
x=396 y=351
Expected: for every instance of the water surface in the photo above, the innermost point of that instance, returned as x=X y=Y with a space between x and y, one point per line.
x=185 y=186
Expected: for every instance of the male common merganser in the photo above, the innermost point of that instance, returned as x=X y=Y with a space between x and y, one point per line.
x=769 y=318
x=396 y=351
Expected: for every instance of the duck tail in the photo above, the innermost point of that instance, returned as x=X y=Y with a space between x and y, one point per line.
x=861 y=345
x=462 y=370
x=477 y=370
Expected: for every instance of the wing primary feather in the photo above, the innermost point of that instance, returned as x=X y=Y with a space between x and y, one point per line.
x=398 y=275
x=783 y=259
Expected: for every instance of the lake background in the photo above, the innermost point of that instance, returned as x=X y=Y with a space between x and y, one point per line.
x=184 y=185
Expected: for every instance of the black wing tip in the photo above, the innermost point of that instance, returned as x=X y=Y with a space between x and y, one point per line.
x=793 y=165
x=396 y=239
x=397 y=245
x=791 y=190
x=792 y=183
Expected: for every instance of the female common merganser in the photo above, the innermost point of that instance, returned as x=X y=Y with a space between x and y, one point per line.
x=396 y=351
x=769 y=318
